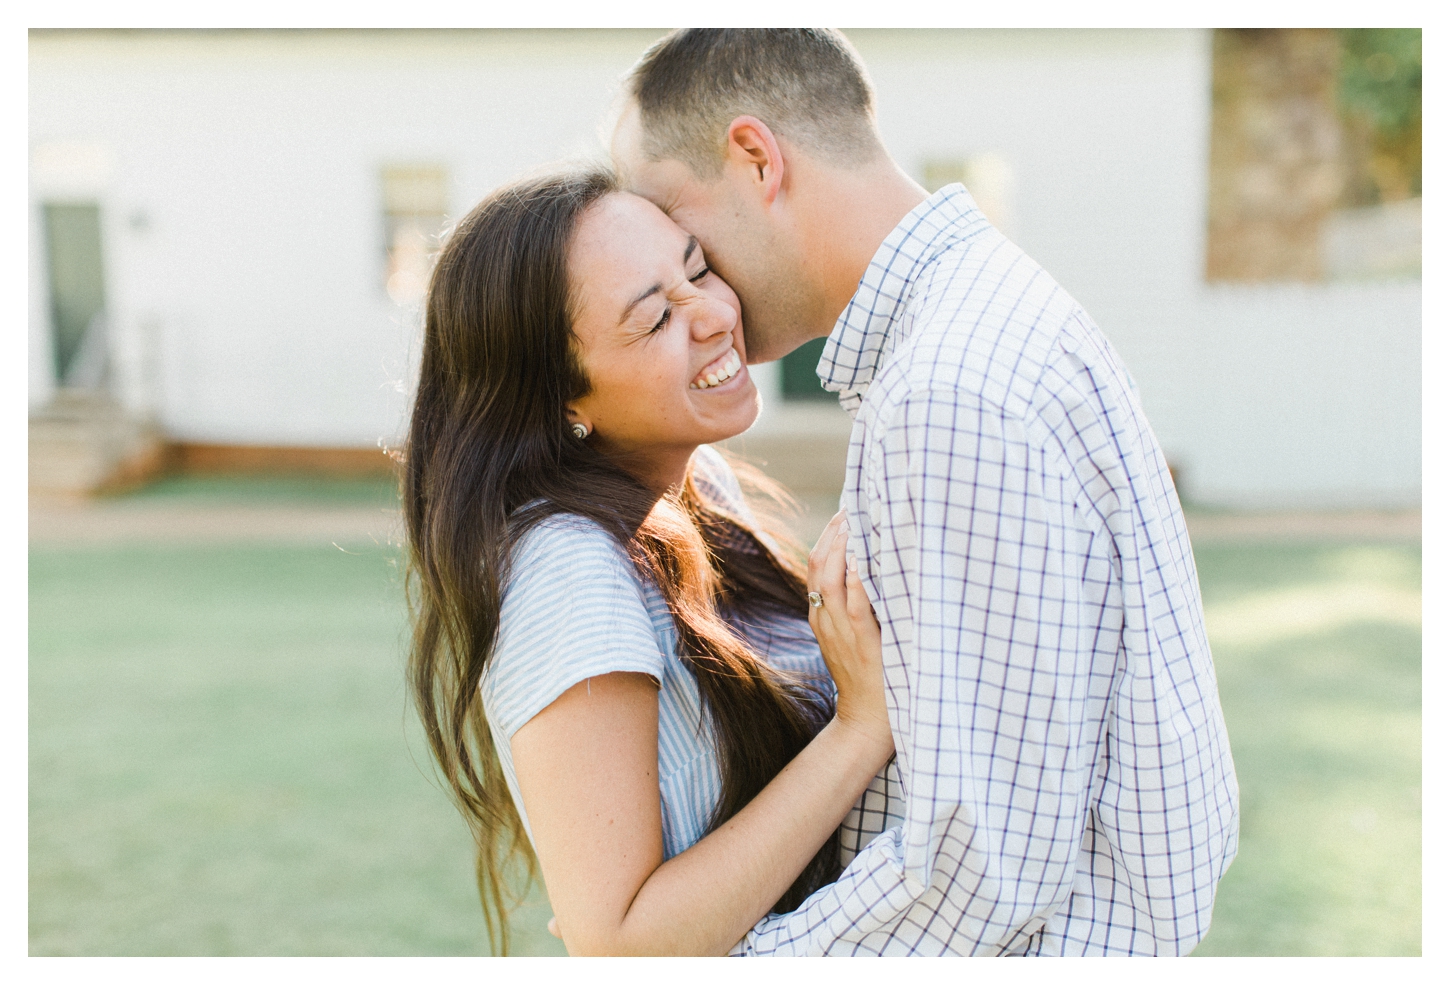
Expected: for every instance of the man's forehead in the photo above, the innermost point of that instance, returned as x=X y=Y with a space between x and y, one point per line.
x=626 y=145
x=664 y=183
x=624 y=137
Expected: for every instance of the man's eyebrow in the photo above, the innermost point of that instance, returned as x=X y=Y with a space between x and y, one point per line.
x=690 y=248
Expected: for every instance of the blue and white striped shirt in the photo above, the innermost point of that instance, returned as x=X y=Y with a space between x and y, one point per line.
x=576 y=607
x=1063 y=782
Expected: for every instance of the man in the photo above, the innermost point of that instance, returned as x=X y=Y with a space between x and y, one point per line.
x=1063 y=783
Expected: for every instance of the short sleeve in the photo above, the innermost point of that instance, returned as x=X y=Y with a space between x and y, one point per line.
x=572 y=609
x=717 y=481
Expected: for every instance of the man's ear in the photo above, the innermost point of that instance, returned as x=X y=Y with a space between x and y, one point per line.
x=752 y=151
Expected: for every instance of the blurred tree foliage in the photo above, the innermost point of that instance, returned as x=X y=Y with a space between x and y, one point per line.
x=1379 y=96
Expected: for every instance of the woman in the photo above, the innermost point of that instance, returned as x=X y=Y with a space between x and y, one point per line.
x=609 y=655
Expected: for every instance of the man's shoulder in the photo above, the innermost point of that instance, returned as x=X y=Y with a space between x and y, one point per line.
x=983 y=319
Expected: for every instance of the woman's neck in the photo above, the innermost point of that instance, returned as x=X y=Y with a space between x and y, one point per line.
x=659 y=470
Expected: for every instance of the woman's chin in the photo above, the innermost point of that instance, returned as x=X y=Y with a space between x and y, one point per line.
x=744 y=412
x=755 y=404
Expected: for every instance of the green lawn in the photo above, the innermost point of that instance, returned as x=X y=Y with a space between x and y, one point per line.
x=1318 y=656
x=287 y=489
x=222 y=761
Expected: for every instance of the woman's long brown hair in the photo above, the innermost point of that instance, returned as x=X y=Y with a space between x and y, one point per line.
x=490 y=454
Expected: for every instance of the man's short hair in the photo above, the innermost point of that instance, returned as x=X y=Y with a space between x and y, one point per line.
x=807 y=84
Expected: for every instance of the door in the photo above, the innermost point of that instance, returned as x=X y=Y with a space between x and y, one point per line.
x=77 y=292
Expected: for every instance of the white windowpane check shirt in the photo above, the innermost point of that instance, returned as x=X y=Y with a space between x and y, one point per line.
x=1063 y=783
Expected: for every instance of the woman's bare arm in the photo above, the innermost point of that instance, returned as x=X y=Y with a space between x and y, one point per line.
x=587 y=769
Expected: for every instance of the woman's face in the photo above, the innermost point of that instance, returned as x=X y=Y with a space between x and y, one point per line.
x=659 y=336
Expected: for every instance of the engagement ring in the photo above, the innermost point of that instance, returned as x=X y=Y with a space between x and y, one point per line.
x=814 y=598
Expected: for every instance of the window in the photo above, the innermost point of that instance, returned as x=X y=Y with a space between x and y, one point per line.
x=415 y=204
x=77 y=292
x=798 y=379
x=1315 y=163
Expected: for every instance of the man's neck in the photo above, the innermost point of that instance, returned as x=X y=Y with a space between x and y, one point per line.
x=851 y=214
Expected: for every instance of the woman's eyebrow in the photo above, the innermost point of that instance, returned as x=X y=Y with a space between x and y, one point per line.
x=630 y=307
x=690 y=248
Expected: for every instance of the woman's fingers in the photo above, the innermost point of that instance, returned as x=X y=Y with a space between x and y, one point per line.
x=846 y=629
x=831 y=580
x=817 y=581
x=823 y=546
x=858 y=604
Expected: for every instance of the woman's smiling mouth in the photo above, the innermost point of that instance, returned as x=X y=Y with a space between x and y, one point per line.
x=718 y=371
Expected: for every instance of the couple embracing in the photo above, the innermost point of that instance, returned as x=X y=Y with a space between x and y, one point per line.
x=981 y=718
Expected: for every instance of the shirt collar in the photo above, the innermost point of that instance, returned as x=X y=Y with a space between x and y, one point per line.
x=863 y=336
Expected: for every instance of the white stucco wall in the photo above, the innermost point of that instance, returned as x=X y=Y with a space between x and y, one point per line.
x=254 y=159
x=1300 y=395
x=1283 y=394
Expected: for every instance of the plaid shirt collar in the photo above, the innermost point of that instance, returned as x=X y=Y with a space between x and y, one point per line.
x=872 y=325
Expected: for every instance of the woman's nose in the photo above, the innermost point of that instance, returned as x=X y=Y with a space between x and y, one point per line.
x=712 y=317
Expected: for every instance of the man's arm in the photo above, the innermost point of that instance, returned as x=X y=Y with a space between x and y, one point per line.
x=977 y=568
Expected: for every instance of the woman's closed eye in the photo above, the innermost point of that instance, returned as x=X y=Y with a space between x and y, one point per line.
x=665 y=315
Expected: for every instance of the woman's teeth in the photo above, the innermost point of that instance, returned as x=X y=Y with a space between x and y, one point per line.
x=719 y=371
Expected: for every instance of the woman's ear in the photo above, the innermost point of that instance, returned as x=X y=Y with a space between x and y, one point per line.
x=577 y=419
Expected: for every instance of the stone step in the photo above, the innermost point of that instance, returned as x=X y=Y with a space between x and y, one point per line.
x=84 y=443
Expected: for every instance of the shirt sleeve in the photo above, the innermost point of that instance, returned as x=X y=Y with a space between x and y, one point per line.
x=964 y=534
x=718 y=482
x=573 y=609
